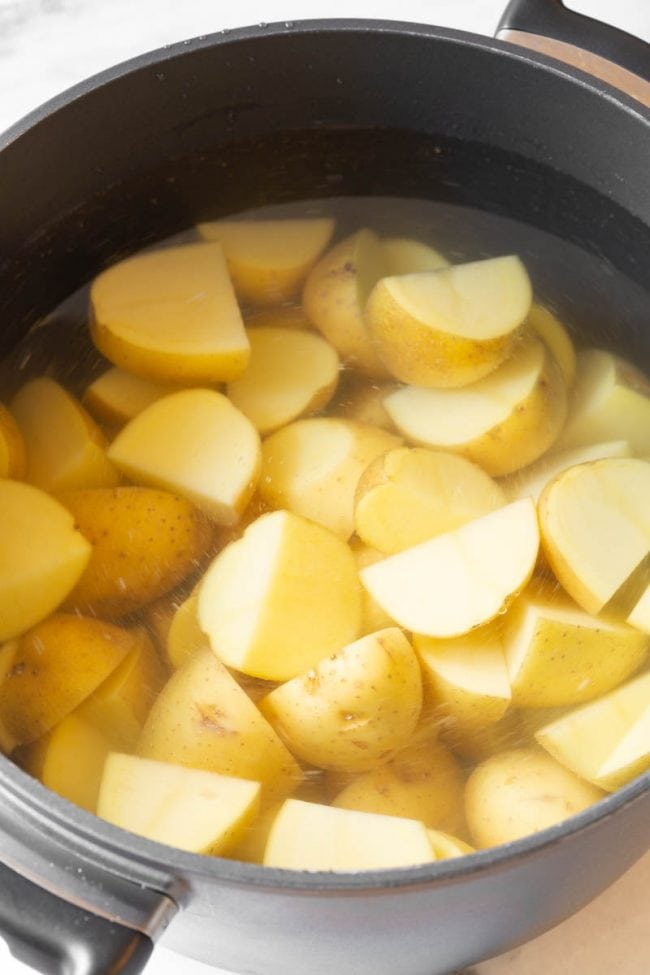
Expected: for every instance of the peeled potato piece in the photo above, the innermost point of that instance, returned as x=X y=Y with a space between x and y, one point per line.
x=466 y=677
x=554 y=335
x=280 y=598
x=308 y=836
x=55 y=666
x=145 y=542
x=203 y=719
x=197 y=811
x=607 y=740
x=447 y=586
x=312 y=467
x=404 y=255
x=13 y=459
x=171 y=316
x=269 y=259
x=42 y=556
x=446 y=847
x=519 y=792
x=290 y=373
x=595 y=525
x=197 y=444
x=335 y=296
x=529 y=482
x=609 y=401
x=558 y=655
x=449 y=327
x=411 y=494
x=423 y=782
x=502 y=422
x=354 y=708
x=65 y=447
x=117 y=396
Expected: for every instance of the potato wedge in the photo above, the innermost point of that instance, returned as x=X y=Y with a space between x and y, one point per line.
x=13 y=457
x=312 y=467
x=145 y=542
x=502 y=422
x=335 y=296
x=455 y=582
x=373 y=617
x=308 y=836
x=201 y=812
x=352 y=709
x=65 y=447
x=56 y=665
x=446 y=847
x=411 y=494
x=196 y=444
x=203 y=719
x=595 y=526
x=555 y=336
x=42 y=556
x=117 y=396
x=450 y=327
x=268 y=260
x=405 y=255
x=290 y=373
x=529 y=482
x=520 y=792
x=261 y=597
x=170 y=316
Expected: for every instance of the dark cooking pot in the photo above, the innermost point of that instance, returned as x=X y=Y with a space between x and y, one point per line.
x=284 y=112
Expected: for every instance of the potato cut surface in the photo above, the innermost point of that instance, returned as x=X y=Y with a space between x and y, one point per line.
x=531 y=481
x=449 y=585
x=171 y=316
x=117 y=396
x=197 y=444
x=201 y=812
x=404 y=255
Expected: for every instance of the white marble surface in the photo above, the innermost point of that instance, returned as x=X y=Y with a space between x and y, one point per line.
x=48 y=45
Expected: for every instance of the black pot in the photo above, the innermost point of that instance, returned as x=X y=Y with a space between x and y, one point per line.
x=270 y=114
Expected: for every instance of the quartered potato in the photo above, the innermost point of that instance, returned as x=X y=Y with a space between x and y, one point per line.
x=404 y=255
x=13 y=458
x=373 y=617
x=117 y=396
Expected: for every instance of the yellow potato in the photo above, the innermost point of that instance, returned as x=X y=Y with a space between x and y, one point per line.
x=65 y=447
x=606 y=741
x=520 y=792
x=312 y=467
x=553 y=333
x=269 y=259
x=354 y=708
x=404 y=255
x=558 y=655
x=158 y=615
x=197 y=811
x=595 y=526
x=358 y=400
x=69 y=760
x=531 y=481
x=171 y=316
x=455 y=582
x=502 y=422
x=466 y=677
x=42 y=556
x=446 y=847
x=423 y=782
x=119 y=706
x=145 y=542
x=449 y=327
x=196 y=444
x=117 y=396
x=610 y=400
x=308 y=836
x=335 y=295
x=185 y=637
x=203 y=719
x=412 y=494
x=56 y=665
x=13 y=459
x=290 y=373
x=253 y=840
x=279 y=599
x=373 y=617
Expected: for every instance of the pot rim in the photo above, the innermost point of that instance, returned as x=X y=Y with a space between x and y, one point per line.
x=75 y=828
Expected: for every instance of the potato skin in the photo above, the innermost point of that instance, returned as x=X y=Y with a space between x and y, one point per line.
x=145 y=542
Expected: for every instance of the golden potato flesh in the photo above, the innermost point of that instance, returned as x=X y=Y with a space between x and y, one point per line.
x=171 y=316
x=405 y=255
x=312 y=467
x=411 y=494
x=449 y=327
x=354 y=708
x=503 y=422
x=117 y=396
x=13 y=459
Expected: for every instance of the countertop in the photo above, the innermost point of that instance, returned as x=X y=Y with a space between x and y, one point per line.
x=48 y=45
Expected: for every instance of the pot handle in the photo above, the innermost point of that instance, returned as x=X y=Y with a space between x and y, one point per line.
x=605 y=52
x=58 y=938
